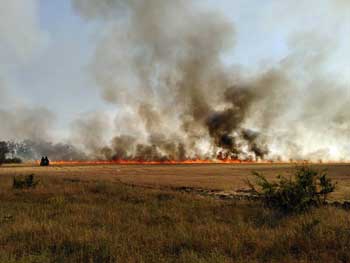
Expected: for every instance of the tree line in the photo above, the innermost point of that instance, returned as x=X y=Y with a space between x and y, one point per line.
x=8 y=153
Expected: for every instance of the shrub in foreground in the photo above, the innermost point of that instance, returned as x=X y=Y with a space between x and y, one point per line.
x=306 y=188
x=27 y=181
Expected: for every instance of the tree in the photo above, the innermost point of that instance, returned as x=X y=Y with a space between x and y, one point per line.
x=4 y=150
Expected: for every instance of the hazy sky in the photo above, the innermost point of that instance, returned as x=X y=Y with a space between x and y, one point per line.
x=46 y=49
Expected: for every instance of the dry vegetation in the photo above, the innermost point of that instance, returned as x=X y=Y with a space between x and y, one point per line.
x=221 y=177
x=72 y=218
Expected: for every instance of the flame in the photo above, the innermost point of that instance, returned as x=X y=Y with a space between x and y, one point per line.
x=139 y=162
x=186 y=162
x=222 y=158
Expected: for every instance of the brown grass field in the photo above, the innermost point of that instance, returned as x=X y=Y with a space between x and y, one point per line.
x=209 y=176
x=131 y=213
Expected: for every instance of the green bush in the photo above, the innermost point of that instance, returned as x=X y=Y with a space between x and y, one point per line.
x=305 y=189
x=21 y=182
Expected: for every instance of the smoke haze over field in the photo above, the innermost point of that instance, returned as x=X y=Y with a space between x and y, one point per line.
x=161 y=65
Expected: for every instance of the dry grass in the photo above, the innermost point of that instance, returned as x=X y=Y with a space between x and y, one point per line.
x=214 y=176
x=71 y=218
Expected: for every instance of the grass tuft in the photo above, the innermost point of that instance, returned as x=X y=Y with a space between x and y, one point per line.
x=24 y=182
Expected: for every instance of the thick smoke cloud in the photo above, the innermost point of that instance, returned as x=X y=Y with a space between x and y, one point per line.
x=90 y=131
x=162 y=60
x=160 y=63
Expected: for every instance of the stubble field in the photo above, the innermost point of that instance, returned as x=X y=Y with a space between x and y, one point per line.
x=226 y=177
x=135 y=213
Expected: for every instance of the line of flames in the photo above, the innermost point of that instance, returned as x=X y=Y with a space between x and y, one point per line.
x=137 y=162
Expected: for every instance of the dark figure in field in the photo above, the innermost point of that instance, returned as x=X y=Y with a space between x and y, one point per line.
x=44 y=161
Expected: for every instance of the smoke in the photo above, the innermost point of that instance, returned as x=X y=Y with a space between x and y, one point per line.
x=28 y=133
x=28 y=127
x=21 y=36
x=160 y=64
x=26 y=123
x=29 y=150
x=21 y=39
x=162 y=61
x=90 y=131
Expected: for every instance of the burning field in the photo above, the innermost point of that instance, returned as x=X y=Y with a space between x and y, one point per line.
x=167 y=94
x=153 y=118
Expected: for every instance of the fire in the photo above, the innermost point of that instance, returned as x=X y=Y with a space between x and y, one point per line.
x=184 y=162
x=222 y=158
x=139 y=162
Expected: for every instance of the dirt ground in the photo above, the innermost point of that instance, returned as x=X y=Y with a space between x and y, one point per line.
x=209 y=176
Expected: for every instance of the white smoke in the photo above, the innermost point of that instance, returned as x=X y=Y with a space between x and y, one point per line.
x=21 y=39
x=160 y=63
x=167 y=55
